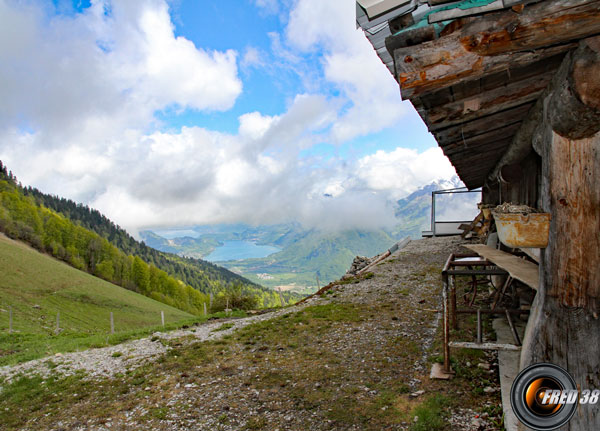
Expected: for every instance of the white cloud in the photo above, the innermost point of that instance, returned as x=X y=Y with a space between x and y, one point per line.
x=254 y=125
x=173 y=70
x=253 y=57
x=350 y=63
x=80 y=94
x=312 y=22
x=200 y=176
x=269 y=6
x=110 y=67
x=403 y=170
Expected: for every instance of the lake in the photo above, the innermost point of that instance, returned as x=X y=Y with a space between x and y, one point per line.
x=237 y=250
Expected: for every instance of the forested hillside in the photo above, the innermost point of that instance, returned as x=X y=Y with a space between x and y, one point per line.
x=197 y=273
x=87 y=240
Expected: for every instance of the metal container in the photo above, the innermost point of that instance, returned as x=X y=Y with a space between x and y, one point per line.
x=523 y=230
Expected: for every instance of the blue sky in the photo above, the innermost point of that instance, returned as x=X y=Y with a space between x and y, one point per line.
x=166 y=113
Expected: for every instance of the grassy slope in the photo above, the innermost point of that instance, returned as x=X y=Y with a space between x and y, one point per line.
x=33 y=279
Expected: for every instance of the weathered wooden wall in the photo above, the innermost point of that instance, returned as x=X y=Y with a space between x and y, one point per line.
x=520 y=183
x=564 y=327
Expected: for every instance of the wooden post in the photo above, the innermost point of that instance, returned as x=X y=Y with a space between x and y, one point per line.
x=112 y=323
x=564 y=325
x=446 y=318
x=479 y=328
x=162 y=317
x=10 y=323
x=453 y=319
x=211 y=300
x=204 y=303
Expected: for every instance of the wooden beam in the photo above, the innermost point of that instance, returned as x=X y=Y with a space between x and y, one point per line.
x=540 y=25
x=493 y=42
x=500 y=99
x=496 y=121
x=574 y=110
x=434 y=66
x=564 y=325
x=480 y=146
x=484 y=346
x=521 y=144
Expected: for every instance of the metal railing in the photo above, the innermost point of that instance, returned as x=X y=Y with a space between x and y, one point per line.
x=451 y=226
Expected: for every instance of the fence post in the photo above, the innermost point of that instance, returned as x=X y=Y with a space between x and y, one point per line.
x=10 y=329
x=211 y=300
x=112 y=323
x=162 y=317
x=433 y=214
x=204 y=303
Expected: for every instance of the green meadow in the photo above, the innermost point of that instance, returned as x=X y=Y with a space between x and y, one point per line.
x=37 y=287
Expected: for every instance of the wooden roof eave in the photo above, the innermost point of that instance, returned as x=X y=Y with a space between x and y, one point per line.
x=493 y=41
x=477 y=58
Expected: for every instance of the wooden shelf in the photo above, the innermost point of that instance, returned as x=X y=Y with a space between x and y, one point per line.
x=522 y=270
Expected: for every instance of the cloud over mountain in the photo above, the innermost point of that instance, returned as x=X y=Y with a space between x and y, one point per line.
x=83 y=94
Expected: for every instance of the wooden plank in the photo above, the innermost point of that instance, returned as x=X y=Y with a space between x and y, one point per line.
x=475 y=162
x=511 y=75
x=485 y=142
x=447 y=14
x=472 y=225
x=522 y=270
x=440 y=97
x=478 y=126
x=483 y=346
x=485 y=149
x=493 y=42
x=479 y=147
x=500 y=99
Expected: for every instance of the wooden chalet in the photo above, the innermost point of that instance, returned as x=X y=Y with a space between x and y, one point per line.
x=511 y=91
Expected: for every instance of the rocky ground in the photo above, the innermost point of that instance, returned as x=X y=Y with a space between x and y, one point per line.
x=355 y=357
